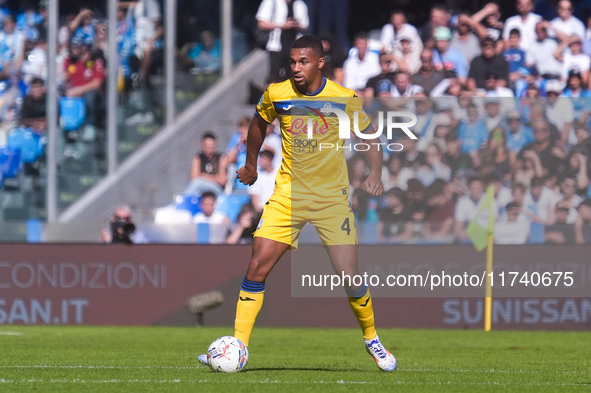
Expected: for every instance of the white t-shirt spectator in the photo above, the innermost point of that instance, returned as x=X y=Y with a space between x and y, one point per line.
x=275 y=11
x=215 y=218
x=569 y=27
x=466 y=208
x=390 y=39
x=578 y=62
x=358 y=72
x=410 y=91
x=263 y=188
x=541 y=54
x=273 y=142
x=514 y=232
x=503 y=197
x=542 y=206
x=146 y=14
x=526 y=27
x=35 y=65
x=560 y=113
x=572 y=212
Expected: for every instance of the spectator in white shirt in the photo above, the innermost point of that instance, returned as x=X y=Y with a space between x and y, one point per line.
x=560 y=112
x=512 y=229
x=525 y=21
x=540 y=53
x=467 y=207
x=568 y=187
x=263 y=188
x=397 y=28
x=403 y=87
x=565 y=24
x=361 y=65
x=208 y=213
x=284 y=19
x=573 y=59
x=542 y=199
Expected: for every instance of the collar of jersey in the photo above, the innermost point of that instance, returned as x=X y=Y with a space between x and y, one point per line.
x=319 y=89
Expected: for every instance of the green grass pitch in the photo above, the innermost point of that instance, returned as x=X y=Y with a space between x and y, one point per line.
x=160 y=359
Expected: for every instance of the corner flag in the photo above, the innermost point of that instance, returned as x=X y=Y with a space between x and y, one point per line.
x=483 y=224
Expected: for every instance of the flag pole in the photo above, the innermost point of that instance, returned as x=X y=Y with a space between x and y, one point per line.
x=488 y=290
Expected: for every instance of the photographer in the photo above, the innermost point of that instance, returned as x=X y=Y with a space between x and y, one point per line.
x=123 y=230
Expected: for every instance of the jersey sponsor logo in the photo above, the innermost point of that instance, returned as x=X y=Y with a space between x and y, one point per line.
x=299 y=125
x=365 y=304
x=304 y=145
x=247 y=299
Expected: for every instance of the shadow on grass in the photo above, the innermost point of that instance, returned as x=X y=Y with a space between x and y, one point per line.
x=287 y=368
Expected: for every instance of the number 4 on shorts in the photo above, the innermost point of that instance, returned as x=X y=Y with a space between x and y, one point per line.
x=346 y=227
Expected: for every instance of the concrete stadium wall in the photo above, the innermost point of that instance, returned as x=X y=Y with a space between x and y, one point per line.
x=92 y=284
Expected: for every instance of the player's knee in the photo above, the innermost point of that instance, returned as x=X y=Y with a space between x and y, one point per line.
x=257 y=270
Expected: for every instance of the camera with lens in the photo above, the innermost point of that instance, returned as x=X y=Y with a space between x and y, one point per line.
x=121 y=230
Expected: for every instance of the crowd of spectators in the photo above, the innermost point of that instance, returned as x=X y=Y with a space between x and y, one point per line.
x=500 y=99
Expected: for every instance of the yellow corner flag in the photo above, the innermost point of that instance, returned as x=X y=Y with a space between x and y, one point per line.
x=483 y=224
x=481 y=232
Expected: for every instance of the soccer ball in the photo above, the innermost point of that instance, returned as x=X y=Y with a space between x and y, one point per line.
x=227 y=354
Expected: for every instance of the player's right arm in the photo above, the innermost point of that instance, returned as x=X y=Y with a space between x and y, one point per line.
x=265 y=114
x=256 y=135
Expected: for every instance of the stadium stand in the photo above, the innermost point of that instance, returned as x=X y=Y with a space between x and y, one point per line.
x=519 y=114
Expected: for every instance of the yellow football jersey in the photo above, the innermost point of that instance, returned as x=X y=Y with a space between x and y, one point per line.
x=316 y=166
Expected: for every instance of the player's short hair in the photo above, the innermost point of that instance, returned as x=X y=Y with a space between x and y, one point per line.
x=309 y=41
x=208 y=194
x=208 y=135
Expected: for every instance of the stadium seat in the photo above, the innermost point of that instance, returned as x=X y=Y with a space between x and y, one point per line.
x=10 y=164
x=31 y=144
x=72 y=113
x=189 y=203
x=536 y=233
x=231 y=204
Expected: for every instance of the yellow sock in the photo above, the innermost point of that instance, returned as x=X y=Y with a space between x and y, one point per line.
x=247 y=309
x=363 y=310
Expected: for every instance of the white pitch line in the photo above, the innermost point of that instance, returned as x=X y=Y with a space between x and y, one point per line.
x=420 y=369
x=267 y=381
x=11 y=334
x=99 y=367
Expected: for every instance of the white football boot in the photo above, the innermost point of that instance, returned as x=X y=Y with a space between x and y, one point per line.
x=385 y=360
x=203 y=359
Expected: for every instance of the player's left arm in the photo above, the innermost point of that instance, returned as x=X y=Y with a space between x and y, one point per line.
x=373 y=183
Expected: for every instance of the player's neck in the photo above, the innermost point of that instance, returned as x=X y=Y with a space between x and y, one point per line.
x=313 y=88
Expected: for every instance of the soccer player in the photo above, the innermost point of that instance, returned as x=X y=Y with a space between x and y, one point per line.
x=311 y=186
